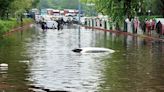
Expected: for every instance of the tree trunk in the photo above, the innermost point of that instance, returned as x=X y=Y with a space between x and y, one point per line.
x=127 y=7
x=162 y=7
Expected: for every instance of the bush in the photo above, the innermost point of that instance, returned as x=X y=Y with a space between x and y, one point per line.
x=7 y=25
x=3 y=27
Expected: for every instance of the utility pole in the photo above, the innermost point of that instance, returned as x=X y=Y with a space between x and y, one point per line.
x=79 y=8
x=79 y=15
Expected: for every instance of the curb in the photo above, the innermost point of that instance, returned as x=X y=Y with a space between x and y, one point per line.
x=17 y=29
x=126 y=33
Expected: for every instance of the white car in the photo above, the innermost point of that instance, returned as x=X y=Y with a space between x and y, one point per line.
x=51 y=24
x=93 y=50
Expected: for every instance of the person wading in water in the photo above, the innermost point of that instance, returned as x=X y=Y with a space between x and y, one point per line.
x=60 y=24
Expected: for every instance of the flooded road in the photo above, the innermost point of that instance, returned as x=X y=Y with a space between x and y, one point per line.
x=42 y=60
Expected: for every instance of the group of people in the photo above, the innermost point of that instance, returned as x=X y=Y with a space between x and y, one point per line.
x=133 y=25
x=155 y=25
x=149 y=25
x=60 y=24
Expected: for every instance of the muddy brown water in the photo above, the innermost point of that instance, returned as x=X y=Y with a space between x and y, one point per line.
x=42 y=60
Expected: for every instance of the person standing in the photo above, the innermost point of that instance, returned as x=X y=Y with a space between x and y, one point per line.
x=136 y=24
x=58 y=24
x=128 y=25
x=43 y=25
x=148 y=26
x=125 y=24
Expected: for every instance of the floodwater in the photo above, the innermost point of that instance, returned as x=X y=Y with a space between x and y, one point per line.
x=42 y=60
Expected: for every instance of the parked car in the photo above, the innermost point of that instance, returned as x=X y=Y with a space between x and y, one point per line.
x=51 y=24
x=75 y=20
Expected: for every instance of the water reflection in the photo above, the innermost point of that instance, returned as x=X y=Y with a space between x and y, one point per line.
x=13 y=77
x=79 y=36
x=134 y=67
x=56 y=67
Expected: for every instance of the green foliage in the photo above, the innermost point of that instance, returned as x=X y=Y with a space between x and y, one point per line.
x=12 y=7
x=118 y=9
x=8 y=25
x=20 y=6
x=35 y=3
x=59 y=4
x=158 y=7
x=4 y=7
x=2 y=29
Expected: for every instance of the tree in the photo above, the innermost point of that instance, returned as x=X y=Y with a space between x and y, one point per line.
x=12 y=7
x=59 y=4
x=19 y=6
x=4 y=7
x=120 y=8
x=35 y=3
x=158 y=7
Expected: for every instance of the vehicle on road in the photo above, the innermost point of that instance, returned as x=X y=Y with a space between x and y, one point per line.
x=51 y=24
x=93 y=50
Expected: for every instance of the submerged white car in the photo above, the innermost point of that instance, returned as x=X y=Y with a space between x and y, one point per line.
x=93 y=50
x=51 y=24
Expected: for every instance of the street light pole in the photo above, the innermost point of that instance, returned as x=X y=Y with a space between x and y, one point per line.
x=79 y=8
x=79 y=38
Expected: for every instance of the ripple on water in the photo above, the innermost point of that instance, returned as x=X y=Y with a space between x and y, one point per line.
x=56 y=67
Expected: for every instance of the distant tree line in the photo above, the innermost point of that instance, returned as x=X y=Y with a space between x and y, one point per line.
x=117 y=9
x=59 y=4
x=10 y=8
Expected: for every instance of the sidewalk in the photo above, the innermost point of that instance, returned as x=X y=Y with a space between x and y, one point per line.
x=140 y=33
x=153 y=35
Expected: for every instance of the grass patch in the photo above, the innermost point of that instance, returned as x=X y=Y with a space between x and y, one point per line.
x=8 y=25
